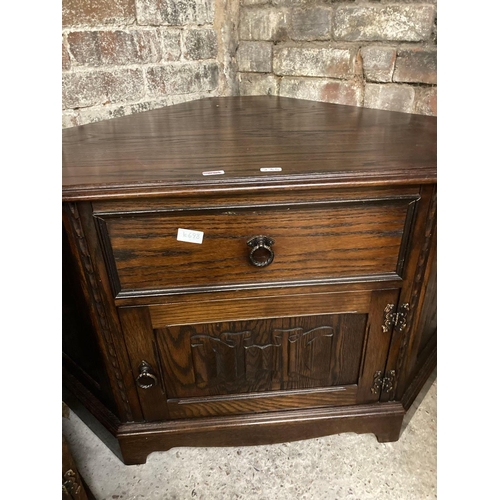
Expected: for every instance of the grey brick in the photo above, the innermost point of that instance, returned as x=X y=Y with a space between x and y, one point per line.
x=200 y=44
x=378 y=63
x=389 y=97
x=313 y=23
x=255 y=56
x=257 y=84
x=171 y=39
x=98 y=113
x=323 y=89
x=79 y=13
x=418 y=65
x=412 y=23
x=89 y=88
x=69 y=119
x=175 y=12
x=118 y=47
x=263 y=24
x=325 y=61
x=181 y=78
x=426 y=101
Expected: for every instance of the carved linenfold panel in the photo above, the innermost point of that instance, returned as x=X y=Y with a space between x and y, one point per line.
x=222 y=358
x=310 y=353
x=234 y=357
x=263 y=359
x=265 y=355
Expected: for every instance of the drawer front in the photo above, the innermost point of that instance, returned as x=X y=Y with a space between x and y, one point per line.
x=311 y=243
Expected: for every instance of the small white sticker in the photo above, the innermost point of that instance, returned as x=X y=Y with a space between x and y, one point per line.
x=271 y=169
x=190 y=236
x=213 y=172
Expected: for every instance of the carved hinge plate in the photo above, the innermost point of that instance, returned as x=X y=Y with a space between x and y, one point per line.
x=395 y=319
x=386 y=384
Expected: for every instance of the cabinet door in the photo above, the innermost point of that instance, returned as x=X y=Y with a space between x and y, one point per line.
x=257 y=355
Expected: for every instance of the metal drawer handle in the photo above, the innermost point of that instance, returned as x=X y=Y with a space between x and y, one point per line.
x=261 y=254
x=146 y=378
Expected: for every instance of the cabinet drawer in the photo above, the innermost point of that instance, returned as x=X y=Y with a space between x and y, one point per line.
x=328 y=241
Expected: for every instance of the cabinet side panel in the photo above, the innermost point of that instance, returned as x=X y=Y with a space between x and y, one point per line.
x=414 y=291
x=428 y=317
x=81 y=354
x=101 y=313
x=426 y=331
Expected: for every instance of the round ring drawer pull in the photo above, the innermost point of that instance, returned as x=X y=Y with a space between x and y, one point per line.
x=146 y=377
x=261 y=253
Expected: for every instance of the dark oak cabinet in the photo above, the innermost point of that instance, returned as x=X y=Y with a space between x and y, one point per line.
x=247 y=270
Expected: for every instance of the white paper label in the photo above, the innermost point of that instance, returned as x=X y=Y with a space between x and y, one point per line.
x=190 y=236
x=213 y=172
x=271 y=169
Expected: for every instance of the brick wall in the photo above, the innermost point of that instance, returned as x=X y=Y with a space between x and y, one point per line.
x=125 y=56
x=377 y=54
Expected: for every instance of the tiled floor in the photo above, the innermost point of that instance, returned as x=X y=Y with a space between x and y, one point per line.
x=346 y=466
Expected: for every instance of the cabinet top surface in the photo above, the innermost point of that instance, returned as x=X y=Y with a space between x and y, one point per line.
x=170 y=150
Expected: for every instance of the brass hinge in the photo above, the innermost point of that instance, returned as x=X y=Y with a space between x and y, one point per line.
x=395 y=319
x=70 y=484
x=386 y=384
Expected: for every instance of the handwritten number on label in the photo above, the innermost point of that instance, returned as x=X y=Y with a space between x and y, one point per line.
x=189 y=235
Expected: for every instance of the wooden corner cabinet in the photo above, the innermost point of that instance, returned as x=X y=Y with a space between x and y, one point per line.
x=247 y=270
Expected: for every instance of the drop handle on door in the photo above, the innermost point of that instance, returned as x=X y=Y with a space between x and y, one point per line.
x=146 y=378
x=261 y=253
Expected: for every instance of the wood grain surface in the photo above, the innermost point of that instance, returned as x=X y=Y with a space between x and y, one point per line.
x=237 y=309
x=341 y=240
x=261 y=355
x=139 y=440
x=168 y=149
